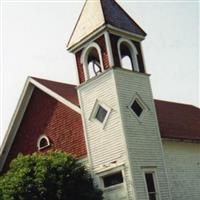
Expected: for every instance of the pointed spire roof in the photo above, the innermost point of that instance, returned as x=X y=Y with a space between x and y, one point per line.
x=96 y=14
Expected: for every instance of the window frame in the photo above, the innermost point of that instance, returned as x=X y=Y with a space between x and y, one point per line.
x=133 y=52
x=39 y=141
x=139 y=101
x=97 y=112
x=111 y=171
x=95 y=109
x=84 y=59
x=114 y=185
x=155 y=180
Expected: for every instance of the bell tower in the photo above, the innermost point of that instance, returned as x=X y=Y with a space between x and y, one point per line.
x=101 y=41
x=121 y=129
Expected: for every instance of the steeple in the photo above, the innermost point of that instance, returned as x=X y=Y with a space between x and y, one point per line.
x=104 y=37
x=118 y=112
x=98 y=15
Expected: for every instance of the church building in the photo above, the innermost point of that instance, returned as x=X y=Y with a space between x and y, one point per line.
x=136 y=147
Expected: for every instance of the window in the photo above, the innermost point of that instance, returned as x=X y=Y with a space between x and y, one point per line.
x=92 y=61
x=43 y=142
x=128 y=55
x=150 y=184
x=113 y=182
x=126 y=58
x=136 y=108
x=113 y=179
x=101 y=114
x=126 y=62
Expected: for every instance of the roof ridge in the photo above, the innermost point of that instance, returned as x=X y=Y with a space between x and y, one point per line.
x=180 y=103
x=44 y=79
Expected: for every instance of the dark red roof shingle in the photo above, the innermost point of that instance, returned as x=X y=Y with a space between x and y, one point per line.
x=178 y=121
x=66 y=91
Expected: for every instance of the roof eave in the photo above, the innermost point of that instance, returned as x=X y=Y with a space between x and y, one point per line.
x=22 y=104
x=73 y=47
x=177 y=139
x=15 y=121
x=96 y=33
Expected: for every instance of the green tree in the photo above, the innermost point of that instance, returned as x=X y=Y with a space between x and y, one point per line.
x=50 y=176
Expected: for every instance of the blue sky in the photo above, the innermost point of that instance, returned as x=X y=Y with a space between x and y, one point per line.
x=34 y=35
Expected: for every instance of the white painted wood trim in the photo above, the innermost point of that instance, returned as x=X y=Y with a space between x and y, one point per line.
x=121 y=32
x=56 y=96
x=77 y=72
x=109 y=49
x=86 y=137
x=39 y=140
x=97 y=32
x=90 y=81
x=143 y=58
x=15 y=121
x=91 y=37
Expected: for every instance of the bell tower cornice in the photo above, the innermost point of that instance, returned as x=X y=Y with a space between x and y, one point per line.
x=100 y=31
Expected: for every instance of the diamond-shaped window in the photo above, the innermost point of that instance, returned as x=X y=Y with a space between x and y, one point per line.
x=101 y=114
x=137 y=109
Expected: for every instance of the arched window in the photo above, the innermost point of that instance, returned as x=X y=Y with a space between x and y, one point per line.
x=43 y=142
x=128 y=55
x=92 y=61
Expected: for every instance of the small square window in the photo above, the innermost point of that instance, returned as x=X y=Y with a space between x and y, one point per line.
x=113 y=179
x=101 y=114
x=137 y=109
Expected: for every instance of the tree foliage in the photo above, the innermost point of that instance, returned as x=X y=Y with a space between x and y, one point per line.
x=52 y=176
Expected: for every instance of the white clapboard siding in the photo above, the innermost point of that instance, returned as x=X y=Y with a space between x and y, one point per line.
x=183 y=166
x=124 y=139
x=142 y=136
x=105 y=143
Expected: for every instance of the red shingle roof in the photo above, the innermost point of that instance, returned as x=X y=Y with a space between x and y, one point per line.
x=176 y=121
x=66 y=91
